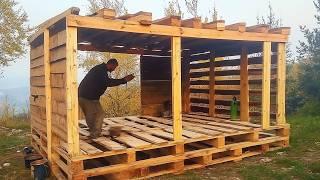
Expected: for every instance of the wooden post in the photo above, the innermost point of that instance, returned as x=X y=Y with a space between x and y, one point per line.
x=72 y=92
x=47 y=75
x=244 y=84
x=176 y=87
x=212 y=104
x=281 y=83
x=186 y=83
x=266 y=61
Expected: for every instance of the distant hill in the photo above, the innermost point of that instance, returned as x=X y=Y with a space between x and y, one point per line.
x=18 y=97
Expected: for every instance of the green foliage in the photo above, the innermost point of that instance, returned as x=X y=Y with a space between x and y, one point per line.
x=117 y=5
x=173 y=9
x=13 y=31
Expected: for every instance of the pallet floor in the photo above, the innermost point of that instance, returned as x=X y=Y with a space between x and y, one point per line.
x=146 y=148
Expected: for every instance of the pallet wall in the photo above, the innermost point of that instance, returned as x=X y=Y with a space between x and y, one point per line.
x=226 y=78
x=57 y=57
x=37 y=98
x=155 y=84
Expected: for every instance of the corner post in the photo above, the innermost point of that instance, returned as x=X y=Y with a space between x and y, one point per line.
x=281 y=83
x=244 y=85
x=176 y=87
x=266 y=70
x=72 y=92
x=212 y=104
x=47 y=76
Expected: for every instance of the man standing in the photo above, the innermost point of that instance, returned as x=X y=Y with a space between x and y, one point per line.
x=91 y=88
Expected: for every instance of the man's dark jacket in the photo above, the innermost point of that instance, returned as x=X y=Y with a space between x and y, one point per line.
x=95 y=83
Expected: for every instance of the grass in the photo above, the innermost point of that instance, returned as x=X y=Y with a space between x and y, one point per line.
x=300 y=161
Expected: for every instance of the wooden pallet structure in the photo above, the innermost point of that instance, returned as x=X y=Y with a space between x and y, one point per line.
x=199 y=67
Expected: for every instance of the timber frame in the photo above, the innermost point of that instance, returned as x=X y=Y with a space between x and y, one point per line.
x=204 y=65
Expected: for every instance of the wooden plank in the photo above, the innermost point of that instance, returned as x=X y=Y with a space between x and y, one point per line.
x=109 y=144
x=72 y=92
x=148 y=137
x=132 y=141
x=176 y=87
x=192 y=23
x=261 y=28
x=241 y=27
x=266 y=85
x=212 y=86
x=58 y=66
x=169 y=21
x=58 y=53
x=58 y=80
x=58 y=39
x=281 y=83
x=244 y=86
x=144 y=18
x=37 y=81
x=186 y=87
x=59 y=94
x=36 y=62
x=53 y=20
x=39 y=101
x=218 y=25
x=88 y=148
x=46 y=58
x=227 y=87
x=280 y=30
x=37 y=91
x=36 y=52
x=136 y=27
x=105 y=13
x=37 y=71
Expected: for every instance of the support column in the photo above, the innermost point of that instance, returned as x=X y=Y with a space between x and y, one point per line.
x=186 y=83
x=244 y=85
x=266 y=70
x=72 y=92
x=47 y=80
x=281 y=83
x=212 y=103
x=176 y=87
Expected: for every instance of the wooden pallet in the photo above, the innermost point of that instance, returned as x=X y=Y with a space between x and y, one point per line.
x=146 y=147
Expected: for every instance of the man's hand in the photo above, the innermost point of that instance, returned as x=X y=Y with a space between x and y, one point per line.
x=129 y=77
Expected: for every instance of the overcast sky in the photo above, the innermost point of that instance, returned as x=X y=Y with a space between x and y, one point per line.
x=292 y=12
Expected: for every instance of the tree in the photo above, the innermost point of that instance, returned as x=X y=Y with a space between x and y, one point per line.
x=121 y=100
x=309 y=54
x=192 y=7
x=173 y=9
x=117 y=5
x=13 y=32
x=271 y=19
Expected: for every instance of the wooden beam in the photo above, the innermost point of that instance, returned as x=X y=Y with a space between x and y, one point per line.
x=176 y=87
x=72 y=92
x=261 y=28
x=281 y=83
x=47 y=71
x=192 y=23
x=266 y=62
x=105 y=13
x=212 y=103
x=241 y=27
x=186 y=83
x=169 y=21
x=136 y=27
x=218 y=25
x=281 y=30
x=144 y=18
x=53 y=20
x=244 y=85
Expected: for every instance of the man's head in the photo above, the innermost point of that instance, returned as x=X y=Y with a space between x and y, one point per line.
x=112 y=64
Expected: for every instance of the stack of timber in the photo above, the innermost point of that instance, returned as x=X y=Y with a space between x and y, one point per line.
x=146 y=148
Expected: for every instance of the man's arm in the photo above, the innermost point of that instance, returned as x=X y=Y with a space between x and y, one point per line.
x=117 y=82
